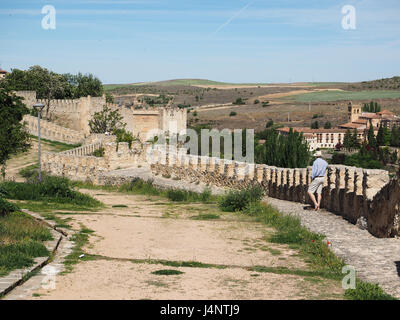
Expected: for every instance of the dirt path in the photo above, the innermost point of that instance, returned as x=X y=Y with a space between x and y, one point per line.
x=142 y=235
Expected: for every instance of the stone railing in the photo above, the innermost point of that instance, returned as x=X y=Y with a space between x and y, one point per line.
x=78 y=164
x=354 y=193
x=52 y=131
x=85 y=150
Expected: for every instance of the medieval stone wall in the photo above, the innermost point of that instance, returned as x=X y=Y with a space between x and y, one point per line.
x=355 y=194
x=78 y=164
x=52 y=131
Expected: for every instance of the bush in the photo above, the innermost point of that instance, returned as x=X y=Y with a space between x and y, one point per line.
x=7 y=207
x=99 y=153
x=232 y=114
x=177 y=195
x=237 y=200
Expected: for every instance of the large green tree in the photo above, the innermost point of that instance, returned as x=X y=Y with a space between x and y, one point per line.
x=14 y=138
x=106 y=120
x=50 y=85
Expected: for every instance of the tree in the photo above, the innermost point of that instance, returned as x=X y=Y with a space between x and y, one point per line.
x=106 y=121
x=371 y=136
x=50 y=85
x=109 y=98
x=380 y=139
x=347 y=144
x=14 y=138
x=327 y=125
x=291 y=151
x=395 y=136
x=355 y=144
x=315 y=125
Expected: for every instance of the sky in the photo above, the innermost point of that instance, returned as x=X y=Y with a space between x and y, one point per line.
x=242 y=41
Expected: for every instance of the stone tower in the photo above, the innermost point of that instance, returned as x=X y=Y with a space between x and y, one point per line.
x=354 y=112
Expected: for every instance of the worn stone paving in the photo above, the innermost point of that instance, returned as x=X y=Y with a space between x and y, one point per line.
x=376 y=260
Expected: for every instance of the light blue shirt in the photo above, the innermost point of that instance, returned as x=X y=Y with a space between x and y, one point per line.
x=319 y=168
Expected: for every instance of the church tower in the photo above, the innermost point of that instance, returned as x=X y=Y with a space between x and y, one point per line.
x=354 y=112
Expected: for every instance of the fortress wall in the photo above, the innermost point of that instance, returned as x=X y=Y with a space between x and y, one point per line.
x=350 y=192
x=78 y=164
x=52 y=131
x=29 y=97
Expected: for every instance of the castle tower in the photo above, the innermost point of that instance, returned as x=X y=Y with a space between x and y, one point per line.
x=354 y=112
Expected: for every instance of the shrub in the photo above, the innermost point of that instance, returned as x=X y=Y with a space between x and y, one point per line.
x=7 y=207
x=139 y=186
x=205 y=196
x=256 y=101
x=177 y=195
x=238 y=101
x=232 y=114
x=99 y=153
x=237 y=200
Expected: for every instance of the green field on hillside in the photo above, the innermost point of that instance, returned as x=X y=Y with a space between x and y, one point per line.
x=325 y=96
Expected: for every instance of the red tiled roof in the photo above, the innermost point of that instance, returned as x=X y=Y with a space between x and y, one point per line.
x=387 y=112
x=311 y=131
x=370 y=115
x=352 y=125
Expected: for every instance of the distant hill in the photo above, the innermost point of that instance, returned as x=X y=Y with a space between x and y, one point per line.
x=385 y=84
x=179 y=82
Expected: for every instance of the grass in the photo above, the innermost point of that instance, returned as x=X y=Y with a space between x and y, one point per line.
x=206 y=216
x=80 y=239
x=21 y=239
x=58 y=146
x=51 y=189
x=367 y=291
x=167 y=272
x=140 y=187
x=324 y=96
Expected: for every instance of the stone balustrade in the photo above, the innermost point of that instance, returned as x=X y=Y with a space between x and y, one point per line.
x=348 y=191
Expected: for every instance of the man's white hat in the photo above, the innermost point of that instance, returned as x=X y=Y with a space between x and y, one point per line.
x=318 y=154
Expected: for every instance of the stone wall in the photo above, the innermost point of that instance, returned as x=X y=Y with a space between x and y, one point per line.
x=52 y=131
x=75 y=114
x=355 y=194
x=78 y=164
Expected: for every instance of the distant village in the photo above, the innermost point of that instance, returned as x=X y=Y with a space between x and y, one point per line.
x=357 y=120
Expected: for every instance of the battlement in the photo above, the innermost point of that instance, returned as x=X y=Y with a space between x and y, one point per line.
x=351 y=192
x=52 y=131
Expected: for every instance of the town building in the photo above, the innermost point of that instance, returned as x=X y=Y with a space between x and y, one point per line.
x=3 y=73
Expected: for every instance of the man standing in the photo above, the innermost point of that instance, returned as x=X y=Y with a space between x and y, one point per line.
x=317 y=179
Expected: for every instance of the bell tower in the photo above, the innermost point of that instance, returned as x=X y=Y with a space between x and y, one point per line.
x=354 y=112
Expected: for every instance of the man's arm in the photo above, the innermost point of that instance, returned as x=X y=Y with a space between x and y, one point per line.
x=314 y=171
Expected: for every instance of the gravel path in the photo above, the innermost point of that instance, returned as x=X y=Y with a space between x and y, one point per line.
x=375 y=260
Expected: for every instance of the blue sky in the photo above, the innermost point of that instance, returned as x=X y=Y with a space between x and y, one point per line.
x=124 y=41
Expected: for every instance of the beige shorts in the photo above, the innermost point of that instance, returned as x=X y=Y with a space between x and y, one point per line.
x=316 y=185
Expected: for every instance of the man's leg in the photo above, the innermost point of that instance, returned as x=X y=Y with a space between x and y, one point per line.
x=313 y=199
x=319 y=201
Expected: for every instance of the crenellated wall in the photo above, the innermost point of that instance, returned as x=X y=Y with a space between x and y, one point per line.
x=75 y=114
x=353 y=193
x=52 y=131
